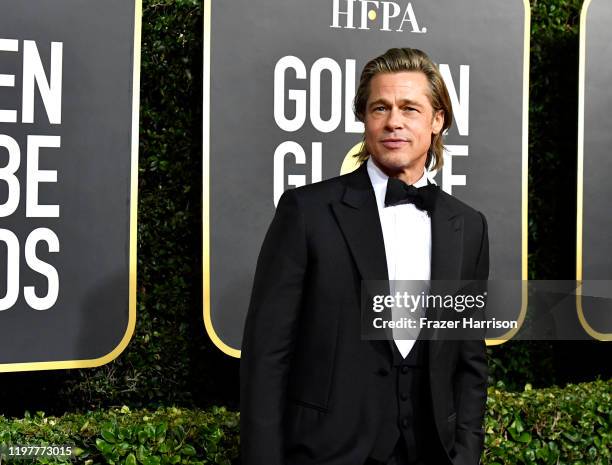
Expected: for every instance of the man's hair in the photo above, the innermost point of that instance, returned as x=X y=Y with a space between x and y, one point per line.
x=397 y=60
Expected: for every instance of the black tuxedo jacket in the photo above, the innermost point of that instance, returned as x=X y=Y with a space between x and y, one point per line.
x=312 y=391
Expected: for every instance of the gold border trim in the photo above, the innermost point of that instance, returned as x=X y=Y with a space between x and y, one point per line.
x=206 y=183
x=580 y=184
x=524 y=182
x=206 y=189
x=127 y=336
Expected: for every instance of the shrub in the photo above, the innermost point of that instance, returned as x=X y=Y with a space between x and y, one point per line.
x=121 y=436
x=548 y=426
x=572 y=425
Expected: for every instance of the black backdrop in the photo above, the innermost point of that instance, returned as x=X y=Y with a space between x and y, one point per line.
x=170 y=359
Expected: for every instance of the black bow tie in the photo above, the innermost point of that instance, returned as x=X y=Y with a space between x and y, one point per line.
x=398 y=193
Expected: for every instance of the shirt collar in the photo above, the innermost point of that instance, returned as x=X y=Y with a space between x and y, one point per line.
x=379 y=181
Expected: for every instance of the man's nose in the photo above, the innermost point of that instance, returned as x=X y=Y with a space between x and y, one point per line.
x=394 y=120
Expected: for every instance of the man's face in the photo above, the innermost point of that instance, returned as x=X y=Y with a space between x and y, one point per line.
x=399 y=123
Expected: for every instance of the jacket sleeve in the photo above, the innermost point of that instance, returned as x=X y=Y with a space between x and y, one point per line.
x=269 y=334
x=471 y=380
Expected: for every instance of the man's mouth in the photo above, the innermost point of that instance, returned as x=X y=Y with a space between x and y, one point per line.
x=393 y=142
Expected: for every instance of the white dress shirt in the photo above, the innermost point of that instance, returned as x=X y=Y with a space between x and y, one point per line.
x=407 y=236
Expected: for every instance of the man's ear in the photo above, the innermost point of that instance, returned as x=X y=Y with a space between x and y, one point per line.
x=438 y=122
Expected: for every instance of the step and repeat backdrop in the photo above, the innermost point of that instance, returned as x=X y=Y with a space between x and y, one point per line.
x=68 y=165
x=279 y=80
x=594 y=220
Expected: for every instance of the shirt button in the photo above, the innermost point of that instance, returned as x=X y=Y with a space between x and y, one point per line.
x=404 y=369
x=405 y=422
x=404 y=396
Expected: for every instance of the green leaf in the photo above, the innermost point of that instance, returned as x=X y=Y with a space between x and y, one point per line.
x=543 y=453
x=108 y=434
x=152 y=461
x=570 y=436
x=150 y=431
x=123 y=447
x=164 y=447
x=103 y=446
x=160 y=431
x=130 y=460
x=141 y=453
x=188 y=449
x=518 y=424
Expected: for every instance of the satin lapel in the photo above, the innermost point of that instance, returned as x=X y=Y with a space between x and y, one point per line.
x=446 y=253
x=357 y=216
x=446 y=242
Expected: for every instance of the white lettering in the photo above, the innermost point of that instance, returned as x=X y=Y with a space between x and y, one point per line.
x=295 y=180
x=315 y=95
x=461 y=104
x=364 y=12
x=7 y=174
x=316 y=173
x=12 y=269
x=387 y=15
x=279 y=167
x=46 y=302
x=336 y=14
x=351 y=125
x=298 y=96
x=410 y=17
x=50 y=90
x=8 y=80
x=36 y=176
x=448 y=178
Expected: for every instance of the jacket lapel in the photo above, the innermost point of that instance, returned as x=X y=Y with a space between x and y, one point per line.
x=446 y=254
x=357 y=215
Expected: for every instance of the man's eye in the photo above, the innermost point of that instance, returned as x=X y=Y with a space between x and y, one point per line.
x=410 y=109
x=379 y=108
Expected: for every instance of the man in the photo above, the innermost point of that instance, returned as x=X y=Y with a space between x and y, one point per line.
x=314 y=392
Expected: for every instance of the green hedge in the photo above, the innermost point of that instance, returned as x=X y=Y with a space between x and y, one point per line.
x=120 y=436
x=553 y=137
x=558 y=426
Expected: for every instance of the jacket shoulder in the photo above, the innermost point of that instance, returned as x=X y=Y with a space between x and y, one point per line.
x=459 y=207
x=328 y=190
